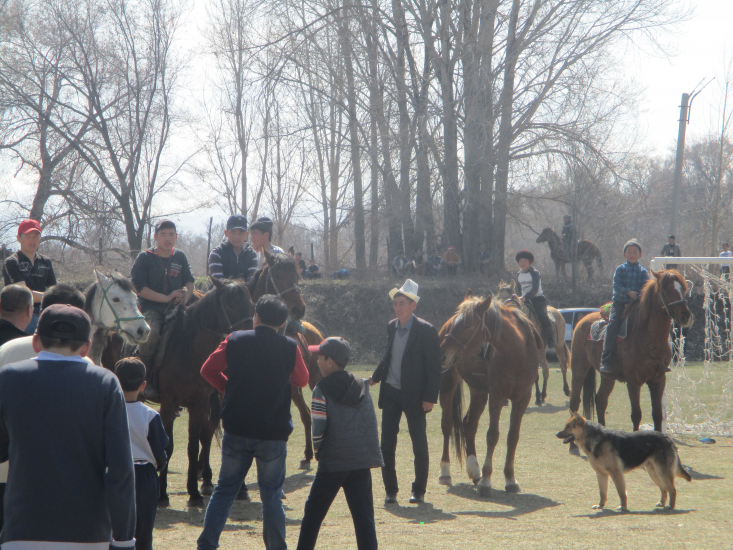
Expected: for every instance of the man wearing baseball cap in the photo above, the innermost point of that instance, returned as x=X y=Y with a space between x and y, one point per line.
x=29 y=268
x=260 y=233
x=233 y=258
x=61 y=417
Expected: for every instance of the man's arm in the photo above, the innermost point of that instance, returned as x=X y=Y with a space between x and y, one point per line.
x=216 y=265
x=664 y=250
x=153 y=296
x=300 y=375
x=432 y=364
x=319 y=416
x=189 y=292
x=618 y=281
x=158 y=441
x=214 y=367
x=119 y=477
x=378 y=373
x=535 y=284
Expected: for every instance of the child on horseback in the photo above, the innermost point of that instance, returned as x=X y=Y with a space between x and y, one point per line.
x=529 y=281
x=628 y=280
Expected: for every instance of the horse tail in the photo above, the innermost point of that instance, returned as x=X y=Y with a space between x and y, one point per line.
x=215 y=415
x=459 y=436
x=589 y=393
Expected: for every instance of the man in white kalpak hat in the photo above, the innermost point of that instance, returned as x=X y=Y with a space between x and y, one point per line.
x=410 y=372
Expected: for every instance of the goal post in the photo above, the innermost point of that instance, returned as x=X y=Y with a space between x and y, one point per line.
x=661 y=261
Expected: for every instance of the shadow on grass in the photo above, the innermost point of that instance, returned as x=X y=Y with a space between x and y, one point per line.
x=546 y=409
x=606 y=513
x=518 y=504
x=242 y=513
x=420 y=513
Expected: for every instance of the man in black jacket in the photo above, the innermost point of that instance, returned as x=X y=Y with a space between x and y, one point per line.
x=16 y=312
x=233 y=258
x=410 y=369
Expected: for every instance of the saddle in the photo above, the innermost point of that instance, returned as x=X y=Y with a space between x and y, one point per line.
x=598 y=329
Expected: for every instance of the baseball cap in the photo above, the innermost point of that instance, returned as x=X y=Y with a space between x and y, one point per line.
x=334 y=347
x=26 y=226
x=237 y=221
x=64 y=322
x=131 y=373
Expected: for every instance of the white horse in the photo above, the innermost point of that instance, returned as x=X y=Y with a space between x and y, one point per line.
x=112 y=305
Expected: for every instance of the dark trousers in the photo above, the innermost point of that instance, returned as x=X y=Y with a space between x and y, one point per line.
x=357 y=485
x=2 y=506
x=614 y=322
x=416 y=424
x=539 y=303
x=146 y=503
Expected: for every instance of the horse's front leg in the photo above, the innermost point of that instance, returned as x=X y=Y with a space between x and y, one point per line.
x=449 y=382
x=635 y=399
x=204 y=462
x=196 y=420
x=537 y=392
x=305 y=418
x=656 y=391
x=562 y=356
x=168 y=416
x=519 y=407
x=470 y=427
x=496 y=402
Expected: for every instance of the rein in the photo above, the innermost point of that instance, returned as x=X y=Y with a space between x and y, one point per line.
x=462 y=346
x=230 y=326
x=271 y=280
x=118 y=320
x=668 y=306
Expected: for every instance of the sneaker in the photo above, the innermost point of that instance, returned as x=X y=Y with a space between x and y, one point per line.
x=417 y=499
x=391 y=498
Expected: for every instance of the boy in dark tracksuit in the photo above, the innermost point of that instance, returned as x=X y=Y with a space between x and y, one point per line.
x=529 y=281
x=628 y=280
x=148 y=440
x=233 y=258
x=346 y=444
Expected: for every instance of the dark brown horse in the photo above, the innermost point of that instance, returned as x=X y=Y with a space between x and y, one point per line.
x=279 y=276
x=506 y=370
x=585 y=251
x=641 y=358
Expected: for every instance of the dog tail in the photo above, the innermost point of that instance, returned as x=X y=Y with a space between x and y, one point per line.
x=589 y=393
x=681 y=472
x=459 y=436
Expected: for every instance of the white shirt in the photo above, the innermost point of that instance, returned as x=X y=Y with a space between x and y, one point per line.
x=21 y=349
x=273 y=250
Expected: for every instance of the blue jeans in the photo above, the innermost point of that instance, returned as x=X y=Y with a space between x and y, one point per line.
x=31 y=328
x=237 y=453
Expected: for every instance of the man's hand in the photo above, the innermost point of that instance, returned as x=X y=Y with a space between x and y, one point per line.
x=633 y=295
x=427 y=407
x=177 y=295
x=372 y=382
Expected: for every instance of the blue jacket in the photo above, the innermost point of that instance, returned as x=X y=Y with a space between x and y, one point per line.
x=628 y=276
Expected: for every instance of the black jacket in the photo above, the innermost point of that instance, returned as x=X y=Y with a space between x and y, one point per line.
x=225 y=263
x=420 y=365
x=8 y=331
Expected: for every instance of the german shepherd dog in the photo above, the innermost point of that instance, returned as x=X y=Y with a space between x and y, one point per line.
x=611 y=453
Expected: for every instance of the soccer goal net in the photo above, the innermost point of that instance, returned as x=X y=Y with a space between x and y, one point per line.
x=699 y=390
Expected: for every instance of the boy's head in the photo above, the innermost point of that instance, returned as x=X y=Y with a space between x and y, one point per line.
x=236 y=231
x=333 y=354
x=165 y=234
x=566 y=218
x=130 y=372
x=260 y=233
x=63 y=294
x=63 y=329
x=435 y=252
x=401 y=253
x=632 y=251
x=525 y=259
x=29 y=237
x=726 y=247
x=670 y=238
x=270 y=311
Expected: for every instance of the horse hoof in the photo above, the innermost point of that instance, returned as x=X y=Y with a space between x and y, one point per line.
x=475 y=481
x=445 y=480
x=512 y=488
x=207 y=489
x=538 y=403
x=196 y=500
x=243 y=494
x=164 y=502
x=566 y=391
x=484 y=492
x=305 y=464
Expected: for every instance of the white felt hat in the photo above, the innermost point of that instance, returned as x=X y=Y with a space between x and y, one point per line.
x=409 y=289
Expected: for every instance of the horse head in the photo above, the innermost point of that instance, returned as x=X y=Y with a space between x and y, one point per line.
x=281 y=278
x=671 y=288
x=545 y=235
x=112 y=304
x=506 y=291
x=235 y=305
x=467 y=330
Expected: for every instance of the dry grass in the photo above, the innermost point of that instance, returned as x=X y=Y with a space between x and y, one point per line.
x=552 y=511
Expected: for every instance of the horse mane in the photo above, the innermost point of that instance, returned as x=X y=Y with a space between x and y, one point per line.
x=640 y=313
x=492 y=317
x=91 y=292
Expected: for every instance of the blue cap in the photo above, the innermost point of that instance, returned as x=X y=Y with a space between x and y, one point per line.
x=237 y=221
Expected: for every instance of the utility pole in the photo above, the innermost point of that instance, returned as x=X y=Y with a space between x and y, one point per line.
x=679 y=160
x=208 y=245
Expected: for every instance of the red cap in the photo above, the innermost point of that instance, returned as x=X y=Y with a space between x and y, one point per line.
x=26 y=226
x=315 y=350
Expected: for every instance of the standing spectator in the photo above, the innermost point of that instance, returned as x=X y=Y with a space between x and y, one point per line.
x=671 y=250
x=300 y=263
x=28 y=267
x=260 y=233
x=399 y=263
x=451 y=261
x=148 y=440
x=260 y=366
x=433 y=263
x=569 y=235
x=16 y=312
x=233 y=258
x=483 y=259
x=346 y=445
x=410 y=372
x=725 y=268
x=313 y=270
x=63 y=426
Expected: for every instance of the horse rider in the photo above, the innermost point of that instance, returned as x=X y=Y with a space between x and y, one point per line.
x=260 y=234
x=233 y=258
x=29 y=268
x=671 y=250
x=569 y=235
x=161 y=276
x=529 y=281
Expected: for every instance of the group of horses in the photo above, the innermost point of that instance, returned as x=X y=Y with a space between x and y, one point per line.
x=491 y=344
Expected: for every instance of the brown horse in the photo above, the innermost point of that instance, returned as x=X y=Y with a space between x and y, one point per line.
x=507 y=370
x=279 y=276
x=585 y=251
x=641 y=358
x=506 y=293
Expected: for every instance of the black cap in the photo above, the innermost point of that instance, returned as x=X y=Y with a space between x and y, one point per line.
x=165 y=224
x=670 y=236
x=65 y=323
x=526 y=254
x=237 y=221
x=262 y=224
x=334 y=347
x=131 y=373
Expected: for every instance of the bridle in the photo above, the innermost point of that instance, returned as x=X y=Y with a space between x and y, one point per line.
x=230 y=325
x=667 y=306
x=480 y=327
x=280 y=294
x=118 y=320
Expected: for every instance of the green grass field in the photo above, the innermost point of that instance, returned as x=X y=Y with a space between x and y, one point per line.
x=552 y=511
